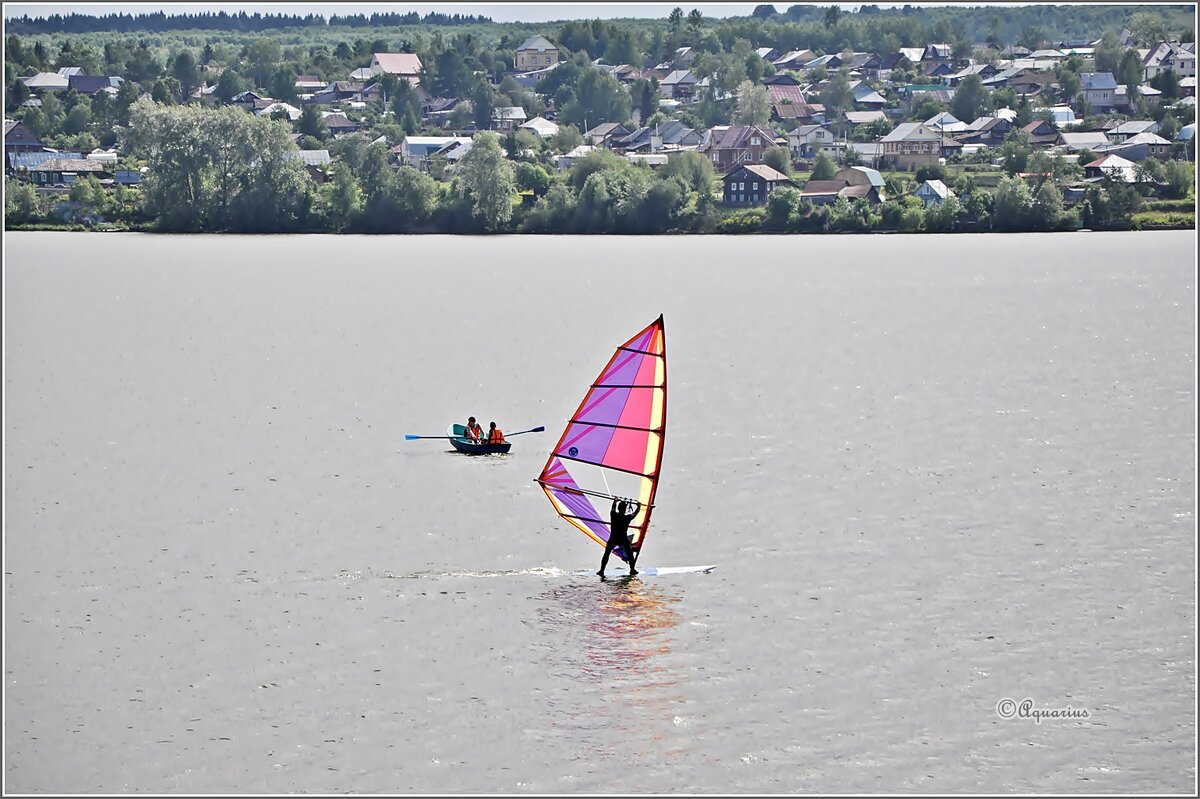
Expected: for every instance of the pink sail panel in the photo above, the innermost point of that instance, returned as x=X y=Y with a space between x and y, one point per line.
x=612 y=446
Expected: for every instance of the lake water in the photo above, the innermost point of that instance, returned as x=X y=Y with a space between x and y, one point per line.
x=936 y=472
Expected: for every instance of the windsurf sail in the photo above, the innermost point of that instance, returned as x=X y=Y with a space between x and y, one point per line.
x=613 y=444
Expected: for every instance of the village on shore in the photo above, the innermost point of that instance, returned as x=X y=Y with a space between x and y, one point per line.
x=912 y=138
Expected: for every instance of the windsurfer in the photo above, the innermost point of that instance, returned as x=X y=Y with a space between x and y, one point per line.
x=620 y=515
x=473 y=433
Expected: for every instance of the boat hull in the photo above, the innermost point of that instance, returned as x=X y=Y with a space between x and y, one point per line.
x=455 y=433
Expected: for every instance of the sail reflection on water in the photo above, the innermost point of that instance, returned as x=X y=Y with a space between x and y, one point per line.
x=608 y=649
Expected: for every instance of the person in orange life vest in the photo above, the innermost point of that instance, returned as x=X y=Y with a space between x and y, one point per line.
x=620 y=516
x=474 y=433
x=495 y=434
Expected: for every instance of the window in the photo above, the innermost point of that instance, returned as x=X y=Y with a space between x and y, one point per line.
x=754 y=185
x=754 y=140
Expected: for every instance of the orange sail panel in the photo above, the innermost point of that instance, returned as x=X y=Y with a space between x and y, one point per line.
x=613 y=444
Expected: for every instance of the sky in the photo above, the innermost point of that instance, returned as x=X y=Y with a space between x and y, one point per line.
x=500 y=12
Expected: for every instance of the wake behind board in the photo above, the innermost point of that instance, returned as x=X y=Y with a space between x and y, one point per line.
x=651 y=571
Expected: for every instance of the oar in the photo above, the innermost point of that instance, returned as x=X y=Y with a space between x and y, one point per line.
x=538 y=429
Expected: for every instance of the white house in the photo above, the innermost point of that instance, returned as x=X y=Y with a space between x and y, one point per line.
x=542 y=128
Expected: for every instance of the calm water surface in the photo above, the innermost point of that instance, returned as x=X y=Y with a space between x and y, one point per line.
x=936 y=472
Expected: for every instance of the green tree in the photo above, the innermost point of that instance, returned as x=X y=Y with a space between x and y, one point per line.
x=1166 y=82
x=837 y=96
x=487 y=179
x=1129 y=73
x=754 y=104
x=1147 y=28
x=1108 y=53
x=1179 y=177
x=566 y=139
x=1015 y=152
x=1013 y=205
x=823 y=167
x=778 y=158
x=263 y=55
x=185 y=71
x=599 y=97
x=531 y=177
x=21 y=202
x=783 y=205
x=229 y=85
x=346 y=201
x=644 y=95
x=77 y=120
x=310 y=122
x=483 y=102
x=969 y=99
x=692 y=169
x=89 y=195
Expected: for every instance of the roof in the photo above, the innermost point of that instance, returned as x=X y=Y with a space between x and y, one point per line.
x=738 y=136
x=543 y=127
x=69 y=165
x=311 y=157
x=1077 y=141
x=90 y=84
x=864 y=117
x=399 y=63
x=678 y=76
x=937 y=187
x=46 y=80
x=786 y=91
x=873 y=175
x=1145 y=138
x=30 y=160
x=603 y=129
x=292 y=111
x=823 y=187
x=1098 y=81
x=763 y=171
x=804 y=130
x=538 y=42
x=911 y=131
x=509 y=112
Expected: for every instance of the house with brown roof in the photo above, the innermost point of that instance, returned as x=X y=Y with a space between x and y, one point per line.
x=911 y=144
x=827 y=192
x=988 y=131
x=19 y=139
x=728 y=146
x=1042 y=134
x=751 y=184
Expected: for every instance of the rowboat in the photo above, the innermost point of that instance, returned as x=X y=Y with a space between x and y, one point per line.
x=457 y=435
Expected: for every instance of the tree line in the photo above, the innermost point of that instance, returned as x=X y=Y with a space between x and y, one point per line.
x=221 y=21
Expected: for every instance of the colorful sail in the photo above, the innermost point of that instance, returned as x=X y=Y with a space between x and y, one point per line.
x=613 y=443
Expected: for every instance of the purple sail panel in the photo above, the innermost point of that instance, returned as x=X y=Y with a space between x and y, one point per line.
x=623 y=370
x=585 y=442
x=603 y=406
x=580 y=507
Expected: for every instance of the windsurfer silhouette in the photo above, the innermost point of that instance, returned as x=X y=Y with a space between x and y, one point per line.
x=620 y=515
